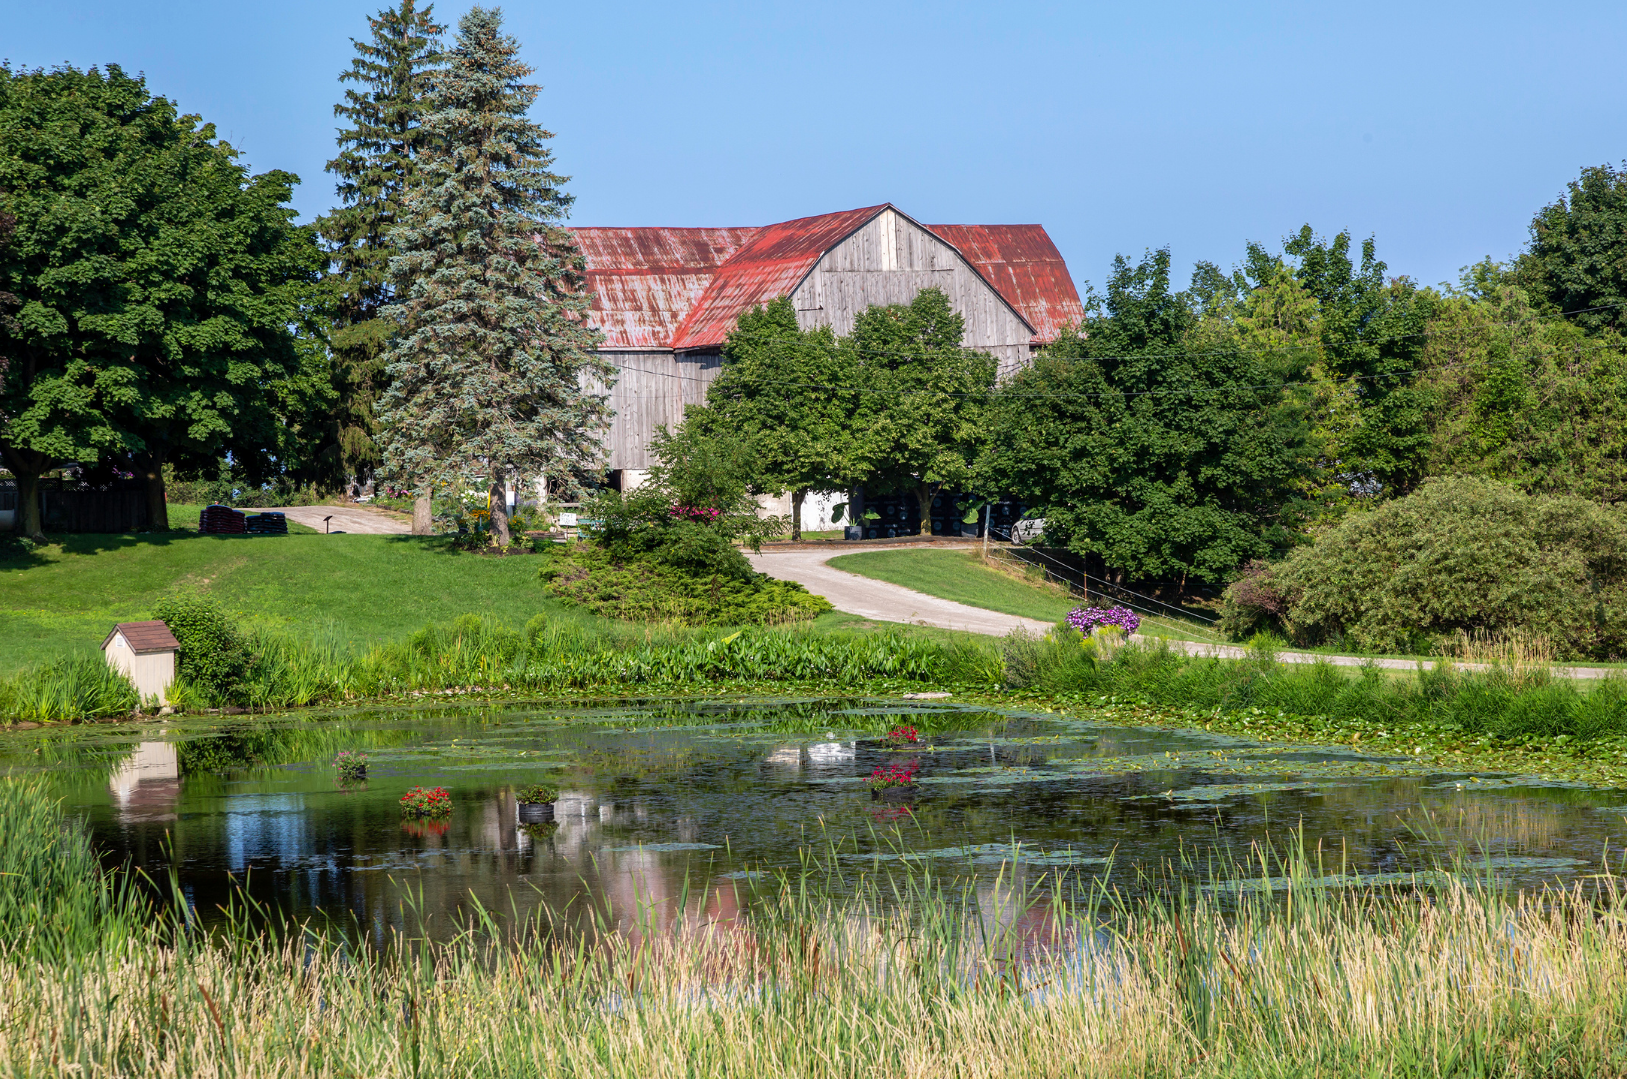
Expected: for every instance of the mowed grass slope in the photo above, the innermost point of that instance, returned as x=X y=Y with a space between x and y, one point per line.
x=65 y=597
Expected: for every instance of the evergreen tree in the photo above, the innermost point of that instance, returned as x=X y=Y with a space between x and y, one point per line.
x=493 y=348
x=377 y=149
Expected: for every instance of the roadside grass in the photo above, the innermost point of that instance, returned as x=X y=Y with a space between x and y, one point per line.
x=1287 y=964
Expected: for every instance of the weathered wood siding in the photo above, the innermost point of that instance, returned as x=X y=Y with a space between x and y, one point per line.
x=651 y=390
x=891 y=259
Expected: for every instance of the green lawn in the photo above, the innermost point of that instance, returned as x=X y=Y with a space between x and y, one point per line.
x=962 y=577
x=66 y=595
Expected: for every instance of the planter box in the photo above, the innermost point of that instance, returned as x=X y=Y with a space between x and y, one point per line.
x=893 y=794
x=536 y=813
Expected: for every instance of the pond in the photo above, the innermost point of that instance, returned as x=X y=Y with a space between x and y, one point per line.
x=678 y=802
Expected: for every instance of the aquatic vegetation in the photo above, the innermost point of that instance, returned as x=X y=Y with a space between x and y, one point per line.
x=81 y=686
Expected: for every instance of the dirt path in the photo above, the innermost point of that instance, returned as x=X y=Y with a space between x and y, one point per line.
x=352 y=518
x=885 y=602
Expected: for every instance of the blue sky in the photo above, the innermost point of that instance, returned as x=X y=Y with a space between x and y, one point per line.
x=1439 y=128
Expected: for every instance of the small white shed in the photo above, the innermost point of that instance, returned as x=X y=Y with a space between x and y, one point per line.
x=146 y=652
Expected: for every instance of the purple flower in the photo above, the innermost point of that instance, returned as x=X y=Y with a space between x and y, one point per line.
x=1085 y=619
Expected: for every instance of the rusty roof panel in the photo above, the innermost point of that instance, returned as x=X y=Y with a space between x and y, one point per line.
x=646 y=280
x=1025 y=267
x=770 y=264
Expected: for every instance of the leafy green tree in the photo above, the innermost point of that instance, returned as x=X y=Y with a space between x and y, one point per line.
x=493 y=348
x=1154 y=441
x=378 y=148
x=920 y=421
x=1577 y=261
x=157 y=284
x=1372 y=340
x=1537 y=402
x=787 y=397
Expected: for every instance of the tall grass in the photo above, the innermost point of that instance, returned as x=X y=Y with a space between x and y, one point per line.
x=1506 y=701
x=80 y=686
x=1273 y=973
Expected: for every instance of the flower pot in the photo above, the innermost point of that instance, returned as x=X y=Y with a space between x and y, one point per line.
x=853 y=532
x=536 y=812
x=892 y=794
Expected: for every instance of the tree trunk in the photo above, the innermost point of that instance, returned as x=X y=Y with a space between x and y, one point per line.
x=499 y=511
x=423 y=523
x=150 y=467
x=28 y=467
x=923 y=500
x=796 y=514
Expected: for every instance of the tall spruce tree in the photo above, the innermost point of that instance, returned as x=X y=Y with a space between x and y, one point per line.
x=488 y=366
x=383 y=112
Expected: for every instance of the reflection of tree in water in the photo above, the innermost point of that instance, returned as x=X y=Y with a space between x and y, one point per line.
x=250 y=745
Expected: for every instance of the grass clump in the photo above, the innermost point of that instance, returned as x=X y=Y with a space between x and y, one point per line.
x=80 y=686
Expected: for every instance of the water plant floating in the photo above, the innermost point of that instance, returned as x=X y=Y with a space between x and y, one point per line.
x=898 y=778
x=426 y=802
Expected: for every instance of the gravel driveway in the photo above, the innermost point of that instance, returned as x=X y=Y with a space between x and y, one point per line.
x=352 y=518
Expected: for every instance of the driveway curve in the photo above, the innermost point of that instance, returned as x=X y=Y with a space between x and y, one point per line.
x=881 y=601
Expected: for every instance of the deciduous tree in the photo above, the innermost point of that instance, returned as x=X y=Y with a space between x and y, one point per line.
x=488 y=367
x=157 y=284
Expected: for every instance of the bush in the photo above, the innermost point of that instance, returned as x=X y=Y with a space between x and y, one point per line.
x=1459 y=555
x=213 y=656
x=675 y=587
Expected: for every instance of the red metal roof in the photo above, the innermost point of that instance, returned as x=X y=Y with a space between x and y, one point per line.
x=646 y=280
x=686 y=288
x=772 y=263
x=1025 y=267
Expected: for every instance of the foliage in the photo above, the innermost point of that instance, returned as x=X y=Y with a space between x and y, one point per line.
x=426 y=802
x=165 y=294
x=488 y=371
x=920 y=422
x=1152 y=443
x=213 y=656
x=390 y=74
x=787 y=398
x=695 y=578
x=1536 y=402
x=1458 y=554
x=536 y=795
x=351 y=765
x=1574 y=265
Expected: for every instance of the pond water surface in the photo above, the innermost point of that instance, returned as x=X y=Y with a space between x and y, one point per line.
x=663 y=801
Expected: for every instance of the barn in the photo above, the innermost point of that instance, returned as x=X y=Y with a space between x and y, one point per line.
x=665 y=298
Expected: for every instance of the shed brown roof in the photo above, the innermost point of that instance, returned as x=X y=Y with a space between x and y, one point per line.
x=151 y=636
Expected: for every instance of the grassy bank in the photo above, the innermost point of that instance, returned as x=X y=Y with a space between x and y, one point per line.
x=906 y=976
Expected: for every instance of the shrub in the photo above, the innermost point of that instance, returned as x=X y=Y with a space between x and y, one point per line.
x=213 y=655
x=1459 y=555
x=674 y=586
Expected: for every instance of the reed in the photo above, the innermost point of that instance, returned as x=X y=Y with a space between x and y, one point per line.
x=1273 y=972
x=80 y=686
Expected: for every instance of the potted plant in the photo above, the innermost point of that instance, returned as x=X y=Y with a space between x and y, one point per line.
x=903 y=738
x=352 y=766
x=893 y=782
x=536 y=803
x=426 y=802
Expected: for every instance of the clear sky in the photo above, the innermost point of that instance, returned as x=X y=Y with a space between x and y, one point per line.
x=1437 y=127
